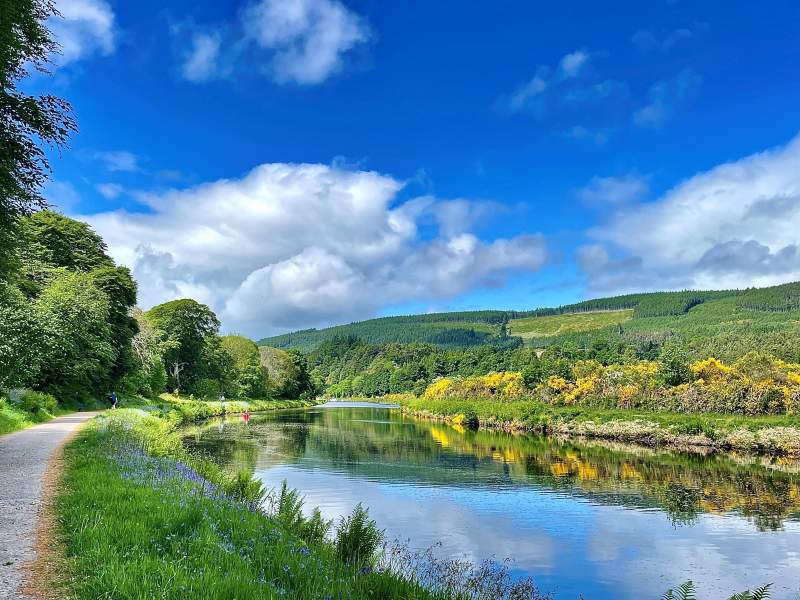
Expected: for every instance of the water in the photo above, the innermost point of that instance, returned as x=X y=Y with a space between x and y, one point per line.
x=604 y=520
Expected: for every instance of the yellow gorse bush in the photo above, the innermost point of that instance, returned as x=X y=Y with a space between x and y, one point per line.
x=507 y=384
x=757 y=383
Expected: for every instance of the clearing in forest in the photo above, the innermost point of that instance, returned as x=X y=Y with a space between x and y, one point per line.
x=533 y=327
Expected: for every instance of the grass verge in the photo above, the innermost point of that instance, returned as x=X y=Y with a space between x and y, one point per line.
x=140 y=518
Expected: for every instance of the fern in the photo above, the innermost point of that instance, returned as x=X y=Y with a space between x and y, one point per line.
x=761 y=593
x=685 y=591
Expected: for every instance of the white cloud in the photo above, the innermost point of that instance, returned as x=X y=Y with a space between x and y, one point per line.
x=202 y=60
x=614 y=191
x=531 y=95
x=309 y=38
x=574 y=98
x=109 y=191
x=571 y=64
x=298 y=41
x=85 y=27
x=291 y=246
x=459 y=216
x=668 y=96
x=119 y=160
x=736 y=225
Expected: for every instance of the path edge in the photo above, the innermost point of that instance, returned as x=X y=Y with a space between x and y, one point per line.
x=46 y=576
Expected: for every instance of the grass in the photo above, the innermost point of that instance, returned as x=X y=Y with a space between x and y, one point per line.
x=140 y=518
x=774 y=434
x=12 y=419
x=548 y=326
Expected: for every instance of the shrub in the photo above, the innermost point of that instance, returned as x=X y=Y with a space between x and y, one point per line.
x=358 y=538
x=673 y=367
x=38 y=404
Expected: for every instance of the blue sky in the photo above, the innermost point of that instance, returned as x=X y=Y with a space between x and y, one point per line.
x=297 y=163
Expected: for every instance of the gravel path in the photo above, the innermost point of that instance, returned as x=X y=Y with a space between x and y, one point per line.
x=23 y=461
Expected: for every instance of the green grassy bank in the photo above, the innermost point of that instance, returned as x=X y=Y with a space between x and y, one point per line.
x=20 y=409
x=772 y=434
x=139 y=517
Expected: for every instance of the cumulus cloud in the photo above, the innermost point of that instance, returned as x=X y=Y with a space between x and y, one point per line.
x=605 y=192
x=309 y=38
x=292 y=246
x=460 y=216
x=298 y=41
x=736 y=225
x=85 y=27
x=666 y=97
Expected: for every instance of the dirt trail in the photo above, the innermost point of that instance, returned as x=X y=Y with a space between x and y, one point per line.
x=24 y=459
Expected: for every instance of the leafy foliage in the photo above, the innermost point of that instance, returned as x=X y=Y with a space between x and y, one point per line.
x=188 y=327
x=250 y=378
x=78 y=350
x=26 y=121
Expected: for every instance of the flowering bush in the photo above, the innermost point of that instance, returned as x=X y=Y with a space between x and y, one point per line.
x=755 y=384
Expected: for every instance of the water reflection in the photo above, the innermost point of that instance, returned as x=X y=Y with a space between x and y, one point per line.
x=605 y=520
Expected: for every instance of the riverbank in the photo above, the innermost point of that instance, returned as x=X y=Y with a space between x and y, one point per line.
x=179 y=409
x=167 y=524
x=774 y=434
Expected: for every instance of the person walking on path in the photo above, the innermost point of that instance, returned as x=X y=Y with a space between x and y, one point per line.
x=113 y=398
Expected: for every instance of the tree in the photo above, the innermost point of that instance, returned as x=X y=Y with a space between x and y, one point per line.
x=147 y=374
x=251 y=379
x=21 y=339
x=674 y=364
x=53 y=240
x=120 y=288
x=297 y=382
x=188 y=327
x=78 y=353
x=25 y=121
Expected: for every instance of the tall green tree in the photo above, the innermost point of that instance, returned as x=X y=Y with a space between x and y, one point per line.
x=251 y=379
x=53 y=240
x=78 y=355
x=21 y=339
x=28 y=123
x=297 y=382
x=188 y=328
x=120 y=288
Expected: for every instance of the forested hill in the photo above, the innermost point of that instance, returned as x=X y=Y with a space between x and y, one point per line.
x=769 y=313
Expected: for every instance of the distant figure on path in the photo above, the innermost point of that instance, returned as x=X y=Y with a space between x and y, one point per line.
x=246 y=416
x=113 y=399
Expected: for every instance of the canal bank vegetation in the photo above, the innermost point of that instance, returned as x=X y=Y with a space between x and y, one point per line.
x=167 y=524
x=608 y=390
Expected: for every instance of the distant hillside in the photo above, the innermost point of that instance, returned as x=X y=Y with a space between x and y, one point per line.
x=715 y=322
